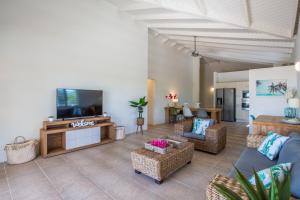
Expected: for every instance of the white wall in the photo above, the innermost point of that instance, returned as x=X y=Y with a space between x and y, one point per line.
x=52 y=44
x=296 y=53
x=207 y=70
x=196 y=79
x=232 y=76
x=172 y=72
x=270 y=105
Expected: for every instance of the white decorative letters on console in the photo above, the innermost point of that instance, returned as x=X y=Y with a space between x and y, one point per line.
x=82 y=123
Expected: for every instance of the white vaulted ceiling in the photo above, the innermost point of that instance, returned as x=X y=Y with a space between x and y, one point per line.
x=258 y=31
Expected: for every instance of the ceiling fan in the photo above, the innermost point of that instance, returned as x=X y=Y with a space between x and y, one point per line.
x=195 y=53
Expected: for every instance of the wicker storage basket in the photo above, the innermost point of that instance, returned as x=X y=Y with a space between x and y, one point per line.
x=21 y=152
x=120 y=132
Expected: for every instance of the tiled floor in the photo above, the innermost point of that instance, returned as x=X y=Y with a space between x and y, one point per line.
x=105 y=172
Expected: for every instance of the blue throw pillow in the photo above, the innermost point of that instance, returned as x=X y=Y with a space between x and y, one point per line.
x=272 y=145
x=200 y=125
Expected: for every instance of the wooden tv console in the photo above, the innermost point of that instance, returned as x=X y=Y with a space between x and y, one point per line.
x=53 y=134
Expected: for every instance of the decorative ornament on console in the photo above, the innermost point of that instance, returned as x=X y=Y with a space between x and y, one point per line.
x=50 y=118
x=82 y=123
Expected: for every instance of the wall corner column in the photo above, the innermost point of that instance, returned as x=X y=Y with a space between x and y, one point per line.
x=196 y=79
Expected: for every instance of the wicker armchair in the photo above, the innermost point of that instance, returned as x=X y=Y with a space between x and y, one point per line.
x=215 y=136
x=253 y=141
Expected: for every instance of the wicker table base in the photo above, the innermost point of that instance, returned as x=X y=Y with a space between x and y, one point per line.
x=160 y=166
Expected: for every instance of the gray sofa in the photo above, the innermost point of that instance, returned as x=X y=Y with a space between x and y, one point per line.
x=251 y=159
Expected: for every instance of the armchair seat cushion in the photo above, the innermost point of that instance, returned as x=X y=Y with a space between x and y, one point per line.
x=251 y=159
x=193 y=136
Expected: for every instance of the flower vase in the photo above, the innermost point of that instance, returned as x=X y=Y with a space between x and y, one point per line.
x=290 y=112
x=171 y=104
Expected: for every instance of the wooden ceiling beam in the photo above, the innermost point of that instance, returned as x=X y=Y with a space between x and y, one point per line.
x=239 y=47
x=191 y=25
x=220 y=34
x=166 y=16
x=266 y=43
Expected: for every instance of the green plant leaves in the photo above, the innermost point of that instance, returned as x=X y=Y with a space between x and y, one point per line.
x=134 y=104
x=277 y=191
x=230 y=195
x=260 y=187
x=247 y=186
x=139 y=104
x=285 y=188
x=274 y=193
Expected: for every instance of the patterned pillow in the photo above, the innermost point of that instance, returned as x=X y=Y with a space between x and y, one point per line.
x=279 y=172
x=200 y=125
x=272 y=145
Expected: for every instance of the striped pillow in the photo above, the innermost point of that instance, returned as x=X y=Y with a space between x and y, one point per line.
x=272 y=145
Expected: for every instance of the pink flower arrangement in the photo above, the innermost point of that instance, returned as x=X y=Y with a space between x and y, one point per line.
x=160 y=143
x=171 y=96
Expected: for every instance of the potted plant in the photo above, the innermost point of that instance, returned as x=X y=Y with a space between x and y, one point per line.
x=50 y=118
x=276 y=192
x=139 y=104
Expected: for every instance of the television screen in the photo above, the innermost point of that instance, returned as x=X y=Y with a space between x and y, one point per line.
x=72 y=103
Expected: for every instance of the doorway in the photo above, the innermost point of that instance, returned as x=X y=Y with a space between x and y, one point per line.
x=150 y=94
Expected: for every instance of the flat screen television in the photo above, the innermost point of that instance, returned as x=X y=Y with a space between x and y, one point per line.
x=77 y=103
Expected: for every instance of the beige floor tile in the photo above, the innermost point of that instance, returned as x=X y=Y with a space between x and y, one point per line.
x=105 y=172
x=3 y=185
x=171 y=189
x=192 y=178
x=32 y=186
x=50 y=162
x=99 y=195
x=126 y=189
x=20 y=170
x=5 y=196
x=103 y=177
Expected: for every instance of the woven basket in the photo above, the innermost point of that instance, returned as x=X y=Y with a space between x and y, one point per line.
x=21 y=152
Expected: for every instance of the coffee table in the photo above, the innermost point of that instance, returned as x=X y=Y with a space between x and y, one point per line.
x=160 y=166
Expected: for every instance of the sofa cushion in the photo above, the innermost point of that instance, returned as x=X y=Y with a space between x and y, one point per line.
x=294 y=135
x=193 y=136
x=290 y=152
x=279 y=172
x=272 y=145
x=251 y=159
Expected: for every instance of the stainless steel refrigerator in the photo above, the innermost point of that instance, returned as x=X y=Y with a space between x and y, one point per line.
x=225 y=99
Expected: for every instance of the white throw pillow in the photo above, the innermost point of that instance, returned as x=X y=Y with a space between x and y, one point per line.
x=279 y=172
x=200 y=125
x=272 y=145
